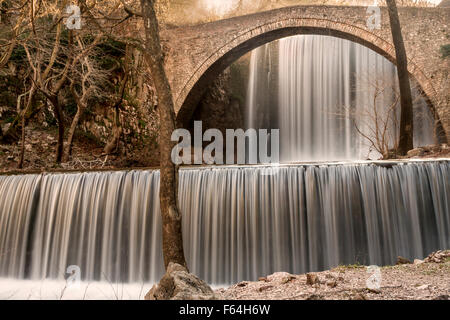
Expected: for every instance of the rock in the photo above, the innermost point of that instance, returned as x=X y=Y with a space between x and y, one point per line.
x=438 y=256
x=287 y=279
x=312 y=279
x=263 y=288
x=314 y=297
x=417 y=152
x=418 y=261
x=264 y=279
x=332 y=284
x=372 y=290
x=442 y=297
x=401 y=260
x=358 y=296
x=241 y=284
x=278 y=276
x=179 y=284
x=424 y=287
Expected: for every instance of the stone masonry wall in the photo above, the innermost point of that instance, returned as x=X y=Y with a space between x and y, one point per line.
x=198 y=54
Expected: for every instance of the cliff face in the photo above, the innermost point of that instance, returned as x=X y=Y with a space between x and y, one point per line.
x=222 y=107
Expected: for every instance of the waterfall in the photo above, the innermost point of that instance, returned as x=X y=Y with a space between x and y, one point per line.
x=259 y=89
x=239 y=223
x=326 y=89
x=108 y=224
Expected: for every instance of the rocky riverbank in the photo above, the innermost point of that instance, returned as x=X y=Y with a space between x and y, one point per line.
x=427 y=279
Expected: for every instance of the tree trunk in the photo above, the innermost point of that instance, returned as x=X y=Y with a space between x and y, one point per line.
x=22 y=147
x=73 y=126
x=171 y=217
x=23 y=125
x=59 y=118
x=13 y=133
x=113 y=145
x=406 y=119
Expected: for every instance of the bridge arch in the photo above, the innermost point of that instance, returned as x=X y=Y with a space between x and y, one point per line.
x=209 y=69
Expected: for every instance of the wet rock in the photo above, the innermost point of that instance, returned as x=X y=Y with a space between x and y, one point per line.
x=179 y=284
x=401 y=260
x=312 y=279
x=264 y=279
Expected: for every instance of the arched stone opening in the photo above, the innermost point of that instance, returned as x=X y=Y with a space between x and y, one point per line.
x=211 y=68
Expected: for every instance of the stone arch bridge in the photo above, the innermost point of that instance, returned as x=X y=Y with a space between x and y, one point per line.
x=196 y=55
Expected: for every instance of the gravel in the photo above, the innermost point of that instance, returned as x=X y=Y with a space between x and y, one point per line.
x=424 y=280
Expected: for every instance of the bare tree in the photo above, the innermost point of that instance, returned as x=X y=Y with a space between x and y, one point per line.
x=85 y=81
x=377 y=123
x=42 y=59
x=50 y=80
x=375 y=115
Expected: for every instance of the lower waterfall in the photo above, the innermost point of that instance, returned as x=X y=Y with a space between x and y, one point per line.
x=239 y=223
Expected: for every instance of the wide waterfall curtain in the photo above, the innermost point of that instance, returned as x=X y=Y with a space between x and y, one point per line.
x=239 y=223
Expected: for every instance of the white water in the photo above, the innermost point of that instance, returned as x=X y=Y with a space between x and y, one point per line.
x=238 y=222
x=15 y=289
x=323 y=84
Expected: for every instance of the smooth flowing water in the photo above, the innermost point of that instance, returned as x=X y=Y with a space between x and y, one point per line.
x=238 y=222
x=324 y=94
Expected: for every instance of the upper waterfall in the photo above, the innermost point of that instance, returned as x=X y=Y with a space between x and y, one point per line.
x=332 y=97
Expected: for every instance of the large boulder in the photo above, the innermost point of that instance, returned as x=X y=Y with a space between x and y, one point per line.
x=179 y=284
